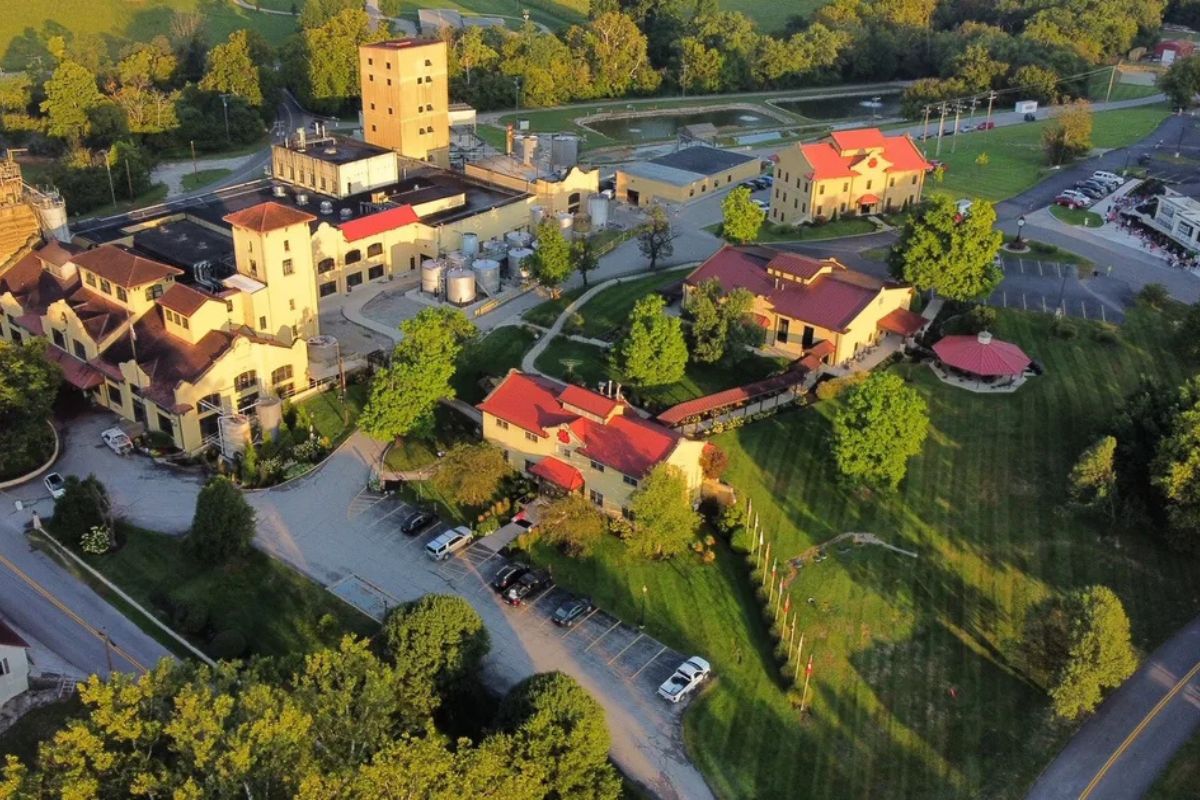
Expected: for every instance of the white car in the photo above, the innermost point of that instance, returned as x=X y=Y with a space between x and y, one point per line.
x=688 y=676
x=963 y=206
x=55 y=485
x=117 y=441
x=760 y=203
x=446 y=544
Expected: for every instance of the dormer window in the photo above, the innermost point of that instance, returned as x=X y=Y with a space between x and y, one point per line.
x=89 y=278
x=122 y=295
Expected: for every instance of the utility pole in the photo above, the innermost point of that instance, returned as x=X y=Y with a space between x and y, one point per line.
x=925 y=131
x=225 y=106
x=1112 y=77
x=108 y=168
x=129 y=177
x=991 y=99
x=954 y=138
x=108 y=650
x=941 y=126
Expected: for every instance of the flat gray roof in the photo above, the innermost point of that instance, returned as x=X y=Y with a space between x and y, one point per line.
x=703 y=159
x=662 y=173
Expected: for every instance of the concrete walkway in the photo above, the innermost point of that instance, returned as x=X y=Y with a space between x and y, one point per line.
x=172 y=173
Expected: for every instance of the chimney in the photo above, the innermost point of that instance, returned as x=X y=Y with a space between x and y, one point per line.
x=508 y=140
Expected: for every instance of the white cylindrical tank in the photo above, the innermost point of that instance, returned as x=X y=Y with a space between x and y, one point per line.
x=516 y=261
x=527 y=147
x=517 y=239
x=456 y=260
x=323 y=349
x=460 y=286
x=564 y=150
x=470 y=245
x=565 y=220
x=487 y=275
x=536 y=215
x=235 y=434
x=495 y=249
x=598 y=211
x=431 y=275
x=270 y=415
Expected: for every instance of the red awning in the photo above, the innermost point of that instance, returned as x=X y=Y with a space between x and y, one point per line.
x=903 y=322
x=982 y=355
x=761 y=321
x=557 y=472
x=821 y=349
x=868 y=200
x=79 y=374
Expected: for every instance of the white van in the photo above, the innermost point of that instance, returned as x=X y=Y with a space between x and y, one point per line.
x=446 y=544
x=1107 y=177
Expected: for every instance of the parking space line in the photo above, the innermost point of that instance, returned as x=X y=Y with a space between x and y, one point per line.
x=577 y=624
x=1083 y=306
x=626 y=647
x=1024 y=305
x=601 y=636
x=1044 y=309
x=648 y=663
x=1039 y=263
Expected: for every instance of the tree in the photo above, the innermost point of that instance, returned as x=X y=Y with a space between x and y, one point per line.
x=879 y=424
x=323 y=60
x=84 y=505
x=664 y=523
x=440 y=637
x=741 y=218
x=1093 y=480
x=952 y=254
x=1036 y=83
x=223 y=525
x=572 y=523
x=71 y=93
x=713 y=461
x=1175 y=472
x=1070 y=134
x=584 y=257
x=699 y=66
x=554 y=723
x=406 y=391
x=316 y=13
x=653 y=351
x=720 y=327
x=1181 y=82
x=616 y=54
x=233 y=69
x=28 y=385
x=1154 y=295
x=551 y=263
x=1188 y=335
x=471 y=473
x=16 y=92
x=1099 y=654
x=655 y=239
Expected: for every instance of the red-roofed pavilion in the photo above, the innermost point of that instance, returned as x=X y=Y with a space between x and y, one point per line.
x=982 y=356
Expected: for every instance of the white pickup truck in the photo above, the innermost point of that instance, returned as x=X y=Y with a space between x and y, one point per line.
x=117 y=441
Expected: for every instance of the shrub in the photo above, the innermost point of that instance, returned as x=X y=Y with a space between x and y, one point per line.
x=1106 y=334
x=227 y=644
x=1154 y=295
x=97 y=541
x=828 y=390
x=191 y=617
x=83 y=506
x=1064 y=328
x=223 y=524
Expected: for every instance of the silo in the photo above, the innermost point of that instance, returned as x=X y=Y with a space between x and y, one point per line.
x=564 y=150
x=270 y=415
x=598 y=211
x=431 y=276
x=52 y=213
x=460 y=286
x=456 y=260
x=536 y=215
x=235 y=434
x=516 y=261
x=495 y=249
x=565 y=220
x=487 y=276
x=470 y=245
x=323 y=350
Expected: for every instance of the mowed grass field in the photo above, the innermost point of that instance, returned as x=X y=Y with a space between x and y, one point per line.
x=1015 y=155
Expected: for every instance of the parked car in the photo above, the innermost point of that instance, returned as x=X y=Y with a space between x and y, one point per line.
x=448 y=543
x=746 y=185
x=117 y=441
x=1107 y=177
x=528 y=585
x=1144 y=159
x=55 y=485
x=767 y=180
x=508 y=575
x=963 y=206
x=985 y=126
x=1075 y=193
x=570 y=612
x=1073 y=200
x=687 y=677
x=1030 y=116
x=1090 y=190
x=416 y=521
x=761 y=203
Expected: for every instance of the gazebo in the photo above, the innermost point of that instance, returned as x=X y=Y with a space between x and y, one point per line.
x=983 y=359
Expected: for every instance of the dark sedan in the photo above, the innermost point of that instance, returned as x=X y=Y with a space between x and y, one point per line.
x=572 y=611
x=415 y=522
x=508 y=575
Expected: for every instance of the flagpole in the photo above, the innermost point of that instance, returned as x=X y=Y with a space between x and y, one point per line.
x=792 y=632
x=807 y=677
x=771 y=594
x=779 y=600
x=799 y=657
x=766 y=558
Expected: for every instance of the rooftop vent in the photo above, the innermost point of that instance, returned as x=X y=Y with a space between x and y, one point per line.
x=331 y=151
x=326 y=207
x=345 y=213
x=301 y=199
x=279 y=191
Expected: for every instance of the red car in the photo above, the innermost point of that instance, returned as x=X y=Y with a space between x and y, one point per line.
x=935 y=165
x=985 y=126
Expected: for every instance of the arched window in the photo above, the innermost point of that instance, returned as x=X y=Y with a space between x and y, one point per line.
x=245 y=381
x=324 y=265
x=375 y=249
x=353 y=256
x=573 y=203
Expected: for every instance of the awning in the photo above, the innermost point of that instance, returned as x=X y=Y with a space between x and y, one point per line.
x=821 y=349
x=557 y=472
x=76 y=372
x=903 y=322
x=761 y=321
x=868 y=200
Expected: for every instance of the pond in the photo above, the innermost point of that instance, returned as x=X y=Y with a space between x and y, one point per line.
x=667 y=125
x=856 y=107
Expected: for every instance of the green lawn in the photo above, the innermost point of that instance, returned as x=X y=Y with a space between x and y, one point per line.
x=277 y=610
x=492 y=356
x=1016 y=159
x=605 y=313
x=546 y=313
x=332 y=416
x=1098 y=91
x=1182 y=778
x=915 y=693
x=1076 y=216
x=194 y=180
x=556 y=14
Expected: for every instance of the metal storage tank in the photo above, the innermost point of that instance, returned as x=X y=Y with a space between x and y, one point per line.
x=270 y=415
x=536 y=215
x=326 y=207
x=564 y=150
x=565 y=220
x=470 y=245
x=52 y=213
x=527 y=147
x=516 y=261
x=456 y=260
x=460 y=286
x=495 y=249
x=517 y=239
x=431 y=275
x=323 y=349
x=487 y=275
x=598 y=211
x=235 y=434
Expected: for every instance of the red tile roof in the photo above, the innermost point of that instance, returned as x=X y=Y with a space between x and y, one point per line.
x=730 y=397
x=9 y=637
x=123 y=267
x=591 y=402
x=828 y=161
x=868 y=199
x=904 y=155
x=559 y=473
x=803 y=267
x=57 y=253
x=76 y=372
x=98 y=315
x=183 y=299
x=528 y=401
x=373 y=224
x=33 y=287
x=858 y=139
x=268 y=216
x=982 y=355
x=821 y=349
x=903 y=322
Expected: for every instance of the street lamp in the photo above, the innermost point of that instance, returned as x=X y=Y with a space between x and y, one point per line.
x=225 y=106
x=642 y=620
x=1020 y=225
x=517 y=92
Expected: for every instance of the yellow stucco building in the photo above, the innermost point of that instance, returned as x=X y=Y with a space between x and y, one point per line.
x=814 y=309
x=690 y=173
x=852 y=172
x=405 y=91
x=576 y=440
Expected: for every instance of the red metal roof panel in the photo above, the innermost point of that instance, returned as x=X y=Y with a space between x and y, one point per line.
x=558 y=472
x=374 y=224
x=982 y=355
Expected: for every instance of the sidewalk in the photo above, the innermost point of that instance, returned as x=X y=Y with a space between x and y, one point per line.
x=172 y=173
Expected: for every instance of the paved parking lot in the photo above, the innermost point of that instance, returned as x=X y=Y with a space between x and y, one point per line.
x=1031 y=284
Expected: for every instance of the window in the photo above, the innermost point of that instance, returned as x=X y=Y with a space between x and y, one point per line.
x=914 y=180
x=868 y=185
x=354 y=256
x=370 y=61
x=389 y=109
x=596 y=497
x=389 y=81
x=80 y=350
x=114 y=396
x=324 y=265
x=387 y=65
x=105 y=286
x=295 y=332
x=165 y=425
x=820 y=188
x=326 y=289
x=375 y=272
x=291 y=305
x=373 y=129
x=531 y=436
x=89 y=278
x=843 y=208
x=891 y=182
x=282 y=374
x=412 y=262
x=322 y=183
x=210 y=404
x=353 y=280
x=846 y=186
x=372 y=106
x=627 y=513
x=428 y=63
x=287 y=246
x=630 y=481
x=596 y=465
x=288 y=269
x=254 y=268
x=285 y=389
x=501 y=424
x=262 y=323
x=245 y=380
x=375 y=249
x=4 y=668
x=154 y=292
x=58 y=338
x=184 y=322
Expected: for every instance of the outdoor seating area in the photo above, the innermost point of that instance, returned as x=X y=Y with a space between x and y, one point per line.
x=980 y=363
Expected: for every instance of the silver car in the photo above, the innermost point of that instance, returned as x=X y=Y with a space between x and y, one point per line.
x=687 y=677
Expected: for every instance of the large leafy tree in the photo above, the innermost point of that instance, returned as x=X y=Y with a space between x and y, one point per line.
x=84 y=505
x=653 y=351
x=616 y=54
x=405 y=393
x=572 y=523
x=1069 y=135
x=656 y=240
x=720 y=326
x=879 y=424
x=741 y=219
x=471 y=473
x=952 y=254
x=551 y=263
x=223 y=525
x=143 y=76
x=323 y=60
x=28 y=385
x=1093 y=479
x=234 y=67
x=439 y=638
x=1175 y=472
x=1182 y=82
x=663 y=519
x=584 y=257
x=71 y=96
